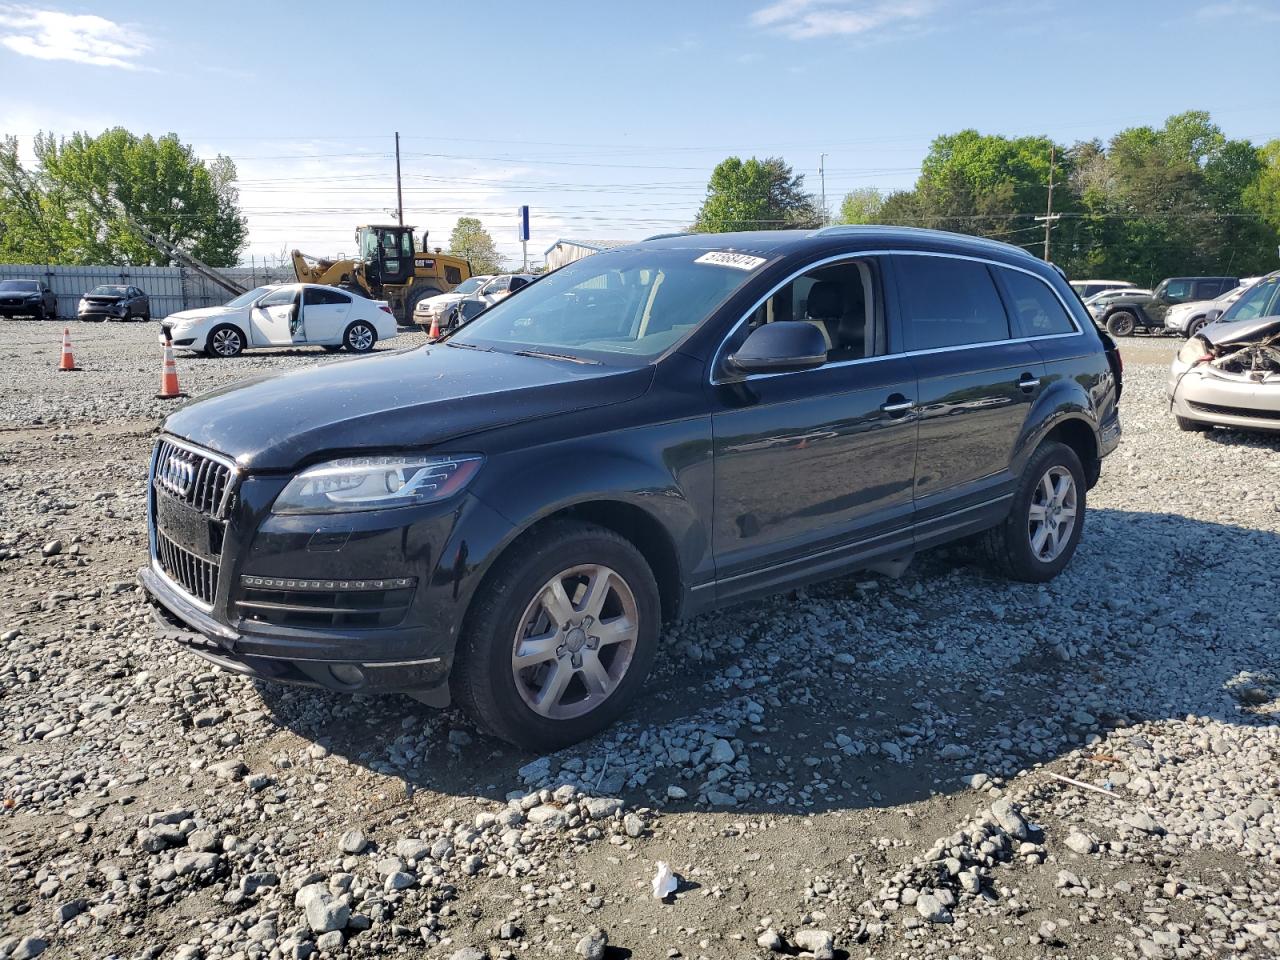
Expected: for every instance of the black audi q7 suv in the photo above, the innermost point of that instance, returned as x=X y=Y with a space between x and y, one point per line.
x=505 y=517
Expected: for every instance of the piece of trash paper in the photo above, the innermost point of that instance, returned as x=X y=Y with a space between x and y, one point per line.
x=664 y=882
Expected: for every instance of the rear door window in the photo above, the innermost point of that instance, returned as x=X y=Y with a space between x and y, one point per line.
x=948 y=302
x=1034 y=305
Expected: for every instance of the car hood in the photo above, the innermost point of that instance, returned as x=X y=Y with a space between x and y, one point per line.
x=441 y=299
x=200 y=314
x=405 y=400
x=1240 y=331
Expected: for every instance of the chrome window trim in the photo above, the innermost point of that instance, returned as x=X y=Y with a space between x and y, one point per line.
x=860 y=254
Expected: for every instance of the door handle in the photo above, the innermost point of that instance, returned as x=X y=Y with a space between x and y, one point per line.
x=895 y=408
x=1028 y=383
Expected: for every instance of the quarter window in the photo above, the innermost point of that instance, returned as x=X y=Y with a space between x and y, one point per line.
x=1038 y=310
x=948 y=302
x=452 y=275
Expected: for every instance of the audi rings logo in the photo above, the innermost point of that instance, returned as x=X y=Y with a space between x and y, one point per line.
x=176 y=475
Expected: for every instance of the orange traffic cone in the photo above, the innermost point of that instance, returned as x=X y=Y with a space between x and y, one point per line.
x=68 y=362
x=434 y=332
x=169 y=389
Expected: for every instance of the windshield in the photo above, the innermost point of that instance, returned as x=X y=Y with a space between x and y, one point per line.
x=107 y=290
x=470 y=286
x=624 y=305
x=20 y=286
x=1260 y=300
x=247 y=298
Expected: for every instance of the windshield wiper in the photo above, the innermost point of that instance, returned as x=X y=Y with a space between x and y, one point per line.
x=556 y=356
x=469 y=346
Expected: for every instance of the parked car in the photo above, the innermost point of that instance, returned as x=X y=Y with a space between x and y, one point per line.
x=283 y=315
x=1228 y=373
x=1126 y=315
x=434 y=309
x=507 y=516
x=114 y=301
x=1099 y=301
x=497 y=288
x=27 y=298
x=1188 y=318
x=1089 y=288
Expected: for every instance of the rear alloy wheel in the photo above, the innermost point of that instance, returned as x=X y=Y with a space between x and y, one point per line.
x=1040 y=535
x=1122 y=323
x=224 y=341
x=1196 y=326
x=360 y=337
x=561 y=637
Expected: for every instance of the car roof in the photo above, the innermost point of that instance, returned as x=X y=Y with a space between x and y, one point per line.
x=771 y=243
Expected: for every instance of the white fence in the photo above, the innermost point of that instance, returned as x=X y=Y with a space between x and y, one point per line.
x=171 y=288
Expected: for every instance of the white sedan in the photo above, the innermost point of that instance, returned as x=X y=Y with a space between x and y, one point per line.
x=287 y=315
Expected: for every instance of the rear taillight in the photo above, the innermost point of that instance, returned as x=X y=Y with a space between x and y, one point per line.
x=384 y=308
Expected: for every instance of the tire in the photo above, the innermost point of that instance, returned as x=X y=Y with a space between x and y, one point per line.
x=1195 y=326
x=1122 y=323
x=39 y=314
x=1009 y=547
x=1192 y=426
x=415 y=296
x=500 y=696
x=360 y=337
x=330 y=348
x=224 y=341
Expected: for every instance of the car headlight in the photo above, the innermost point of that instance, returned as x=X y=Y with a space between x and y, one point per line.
x=1194 y=351
x=376 y=483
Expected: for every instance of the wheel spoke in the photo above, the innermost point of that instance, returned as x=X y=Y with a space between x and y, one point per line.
x=1038 y=539
x=553 y=687
x=556 y=602
x=536 y=650
x=1062 y=486
x=597 y=592
x=1037 y=513
x=1046 y=488
x=617 y=630
x=596 y=676
x=1052 y=545
x=1067 y=513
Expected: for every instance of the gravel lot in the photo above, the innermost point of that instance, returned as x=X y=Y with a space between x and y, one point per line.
x=868 y=768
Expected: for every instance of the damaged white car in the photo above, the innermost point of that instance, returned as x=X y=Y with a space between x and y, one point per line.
x=1228 y=374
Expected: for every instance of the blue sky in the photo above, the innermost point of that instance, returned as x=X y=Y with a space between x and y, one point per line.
x=606 y=118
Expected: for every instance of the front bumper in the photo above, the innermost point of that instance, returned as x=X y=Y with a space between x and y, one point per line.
x=1224 y=402
x=259 y=618
x=22 y=310
x=308 y=661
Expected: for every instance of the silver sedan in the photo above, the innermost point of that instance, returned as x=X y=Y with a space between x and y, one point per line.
x=1229 y=373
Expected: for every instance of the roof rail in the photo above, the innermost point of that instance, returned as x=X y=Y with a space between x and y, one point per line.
x=667 y=236
x=972 y=238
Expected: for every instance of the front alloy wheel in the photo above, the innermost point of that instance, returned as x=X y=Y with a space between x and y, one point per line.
x=560 y=636
x=225 y=342
x=575 y=642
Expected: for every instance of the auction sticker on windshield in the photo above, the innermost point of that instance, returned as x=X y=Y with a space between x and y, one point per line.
x=723 y=258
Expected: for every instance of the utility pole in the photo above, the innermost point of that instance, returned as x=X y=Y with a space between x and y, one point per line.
x=399 y=192
x=822 y=175
x=1049 y=218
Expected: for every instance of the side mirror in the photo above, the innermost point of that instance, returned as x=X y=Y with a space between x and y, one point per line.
x=781 y=347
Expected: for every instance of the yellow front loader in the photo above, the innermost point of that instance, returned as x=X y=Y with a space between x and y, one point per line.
x=387 y=268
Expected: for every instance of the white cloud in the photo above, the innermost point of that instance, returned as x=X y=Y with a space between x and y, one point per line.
x=1239 y=10
x=807 y=19
x=80 y=38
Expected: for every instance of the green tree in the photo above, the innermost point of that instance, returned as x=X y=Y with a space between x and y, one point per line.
x=755 y=195
x=472 y=241
x=160 y=182
x=30 y=223
x=863 y=205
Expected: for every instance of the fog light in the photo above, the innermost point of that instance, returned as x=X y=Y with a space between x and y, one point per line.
x=348 y=674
